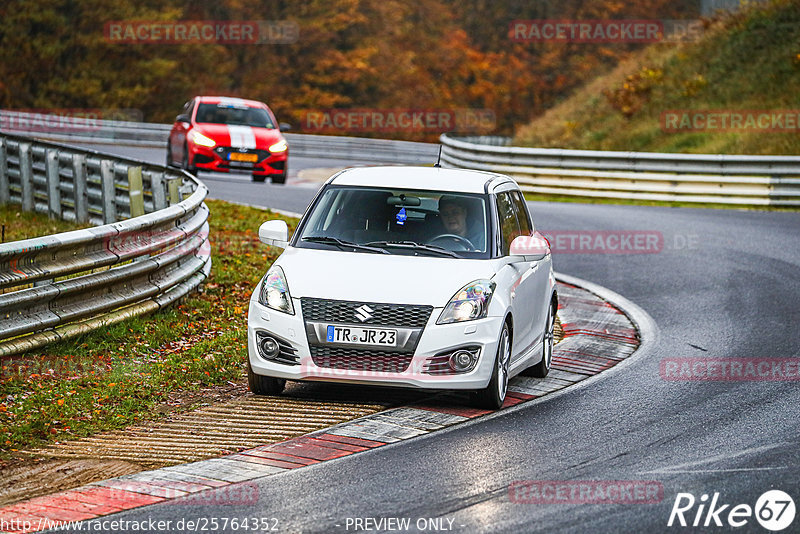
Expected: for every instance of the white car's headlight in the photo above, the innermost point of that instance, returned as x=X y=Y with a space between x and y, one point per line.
x=470 y=303
x=280 y=146
x=275 y=291
x=202 y=140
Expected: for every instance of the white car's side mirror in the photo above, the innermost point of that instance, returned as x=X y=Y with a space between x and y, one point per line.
x=275 y=233
x=530 y=247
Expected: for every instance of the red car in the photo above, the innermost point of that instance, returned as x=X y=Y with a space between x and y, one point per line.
x=222 y=134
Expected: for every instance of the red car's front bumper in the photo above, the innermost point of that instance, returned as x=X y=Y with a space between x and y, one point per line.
x=226 y=159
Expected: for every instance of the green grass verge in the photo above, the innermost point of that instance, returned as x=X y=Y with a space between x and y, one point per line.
x=16 y=224
x=133 y=370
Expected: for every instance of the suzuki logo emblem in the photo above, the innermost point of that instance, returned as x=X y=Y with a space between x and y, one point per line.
x=364 y=313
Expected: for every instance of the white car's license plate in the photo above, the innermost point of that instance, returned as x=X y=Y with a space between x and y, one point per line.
x=361 y=336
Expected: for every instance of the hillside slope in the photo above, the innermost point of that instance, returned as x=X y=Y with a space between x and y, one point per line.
x=746 y=61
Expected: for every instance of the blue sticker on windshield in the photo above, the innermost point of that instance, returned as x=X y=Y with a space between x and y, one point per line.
x=401 y=216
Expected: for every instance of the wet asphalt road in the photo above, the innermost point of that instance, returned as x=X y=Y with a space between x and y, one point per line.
x=723 y=284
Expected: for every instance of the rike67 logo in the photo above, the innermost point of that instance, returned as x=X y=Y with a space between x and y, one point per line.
x=774 y=510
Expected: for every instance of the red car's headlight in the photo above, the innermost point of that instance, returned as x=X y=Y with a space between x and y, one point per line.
x=280 y=146
x=202 y=140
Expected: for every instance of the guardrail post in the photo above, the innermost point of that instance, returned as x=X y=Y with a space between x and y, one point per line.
x=173 y=187
x=135 y=191
x=53 y=184
x=26 y=176
x=158 y=188
x=5 y=193
x=79 y=177
x=109 y=191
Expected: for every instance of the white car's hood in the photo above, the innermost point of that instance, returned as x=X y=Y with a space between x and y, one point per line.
x=339 y=275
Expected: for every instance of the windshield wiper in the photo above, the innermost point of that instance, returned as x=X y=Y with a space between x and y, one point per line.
x=342 y=244
x=415 y=246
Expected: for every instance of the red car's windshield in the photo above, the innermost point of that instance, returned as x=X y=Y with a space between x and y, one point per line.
x=240 y=116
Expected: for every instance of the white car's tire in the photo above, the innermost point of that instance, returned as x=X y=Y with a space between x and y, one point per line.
x=541 y=369
x=264 y=385
x=492 y=397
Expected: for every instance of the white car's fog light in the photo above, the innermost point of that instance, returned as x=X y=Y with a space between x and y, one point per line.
x=453 y=362
x=270 y=347
x=463 y=360
x=275 y=349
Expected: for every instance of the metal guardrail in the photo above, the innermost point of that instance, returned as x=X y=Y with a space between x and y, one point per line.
x=85 y=130
x=152 y=250
x=373 y=150
x=720 y=179
x=733 y=180
x=152 y=135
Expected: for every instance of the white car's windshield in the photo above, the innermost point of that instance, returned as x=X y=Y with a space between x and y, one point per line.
x=396 y=221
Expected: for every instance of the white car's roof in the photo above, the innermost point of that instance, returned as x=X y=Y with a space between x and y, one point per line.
x=431 y=178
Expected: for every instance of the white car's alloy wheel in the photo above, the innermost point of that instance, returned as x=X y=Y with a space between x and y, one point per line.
x=503 y=360
x=549 y=336
x=494 y=394
x=541 y=369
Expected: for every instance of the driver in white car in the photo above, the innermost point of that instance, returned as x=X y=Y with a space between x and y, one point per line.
x=453 y=212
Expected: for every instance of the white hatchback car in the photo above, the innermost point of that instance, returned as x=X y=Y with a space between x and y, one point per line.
x=406 y=276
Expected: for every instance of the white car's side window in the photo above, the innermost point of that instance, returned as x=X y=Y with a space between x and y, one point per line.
x=525 y=225
x=324 y=216
x=508 y=223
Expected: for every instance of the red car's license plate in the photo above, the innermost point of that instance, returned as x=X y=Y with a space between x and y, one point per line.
x=237 y=156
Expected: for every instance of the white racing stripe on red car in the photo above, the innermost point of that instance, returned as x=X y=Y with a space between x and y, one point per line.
x=242 y=136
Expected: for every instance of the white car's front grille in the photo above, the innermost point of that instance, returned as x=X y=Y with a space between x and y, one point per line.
x=407 y=320
x=368 y=313
x=354 y=359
